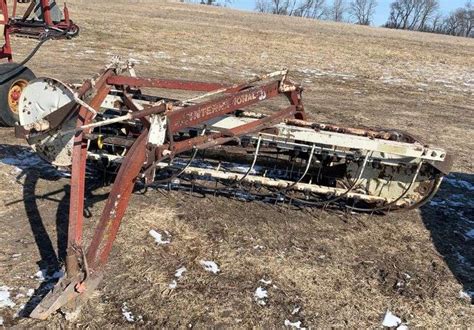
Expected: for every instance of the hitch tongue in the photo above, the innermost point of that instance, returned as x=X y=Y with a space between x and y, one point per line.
x=69 y=293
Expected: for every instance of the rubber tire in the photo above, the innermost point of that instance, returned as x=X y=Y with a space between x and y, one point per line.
x=7 y=116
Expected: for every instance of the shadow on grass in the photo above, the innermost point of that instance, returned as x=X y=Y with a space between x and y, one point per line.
x=449 y=216
x=31 y=170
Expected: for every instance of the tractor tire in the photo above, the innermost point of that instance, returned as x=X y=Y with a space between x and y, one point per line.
x=13 y=79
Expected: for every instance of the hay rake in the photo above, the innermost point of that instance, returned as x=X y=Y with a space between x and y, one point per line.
x=223 y=141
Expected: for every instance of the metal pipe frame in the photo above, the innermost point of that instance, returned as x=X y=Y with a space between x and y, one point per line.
x=20 y=26
x=84 y=269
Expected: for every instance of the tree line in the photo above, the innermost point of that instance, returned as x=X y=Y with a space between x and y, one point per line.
x=416 y=15
x=425 y=16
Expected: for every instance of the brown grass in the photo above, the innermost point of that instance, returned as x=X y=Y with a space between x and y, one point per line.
x=342 y=270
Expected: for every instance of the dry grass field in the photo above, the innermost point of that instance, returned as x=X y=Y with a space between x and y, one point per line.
x=326 y=268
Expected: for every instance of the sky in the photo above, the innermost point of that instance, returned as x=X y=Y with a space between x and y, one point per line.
x=381 y=15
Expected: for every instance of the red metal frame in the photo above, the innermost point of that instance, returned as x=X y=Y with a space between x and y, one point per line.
x=6 y=51
x=14 y=25
x=84 y=269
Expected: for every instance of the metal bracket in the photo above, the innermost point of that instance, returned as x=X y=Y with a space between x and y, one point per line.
x=65 y=293
x=158 y=127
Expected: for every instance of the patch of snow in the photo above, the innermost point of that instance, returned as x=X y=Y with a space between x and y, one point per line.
x=454 y=203
x=320 y=73
x=19 y=312
x=258 y=247
x=266 y=282
x=437 y=203
x=5 y=300
x=210 y=266
x=90 y=51
x=468 y=295
x=402 y=327
x=470 y=234
x=127 y=314
x=390 y=320
x=159 y=238
x=295 y=325
x=296 y=310
x=392 y=80
x=458 y=183
x=21 y=162
x=462 y=259
x=1 y=321
x=42 y=275
x=57 y=275
x=161 y=55
x=30 y=292
x=261 y=295
x=134 y=61
x=180 y=272
x=25 y=159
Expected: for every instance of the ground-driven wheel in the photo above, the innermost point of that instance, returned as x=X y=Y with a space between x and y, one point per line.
x=13 y=79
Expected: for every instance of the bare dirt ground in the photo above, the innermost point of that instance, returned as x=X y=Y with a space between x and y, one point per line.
x=326 y=268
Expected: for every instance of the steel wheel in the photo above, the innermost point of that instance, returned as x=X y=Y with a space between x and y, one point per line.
x=14 y=94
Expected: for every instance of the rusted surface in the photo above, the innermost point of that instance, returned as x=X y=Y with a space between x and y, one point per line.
x=238 y=96
x=193 y=115
x=216 y=139
x=106 y=231
x=380 y=134
x=76 y=207
x=30 y=27
x=164 y=83
x=78 y=168
x=59 y=117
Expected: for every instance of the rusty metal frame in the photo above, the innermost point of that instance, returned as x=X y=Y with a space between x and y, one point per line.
x=23 y=25
x=84 y=267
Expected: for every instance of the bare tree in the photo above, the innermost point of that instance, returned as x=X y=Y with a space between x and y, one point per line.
x=263 y=6
x=210 y=2
x=278 y=7
x=437 y=23
x=411 y=14
x=469 y=17
x=460 y=22
x=362 y=11
x=311 y=9
x=337 y=11
x=424 y=15
x=428 y=13
x=303 y=8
